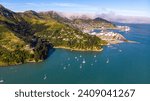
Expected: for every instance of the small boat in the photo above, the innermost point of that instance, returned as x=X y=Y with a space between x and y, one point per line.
x=1 y=81
x=64 y=67
x=107 y=60
x=120 y=50
x=80 y=66
x=80 y=56
x=83 y=61
x=75 y=57
x=94 y=56
x=45 y=77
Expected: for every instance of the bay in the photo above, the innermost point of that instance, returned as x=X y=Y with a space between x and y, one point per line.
x=125 y=63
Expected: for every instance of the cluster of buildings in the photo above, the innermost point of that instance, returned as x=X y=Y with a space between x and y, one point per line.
x=108 y=35
x=104 y=33
x=123 y=28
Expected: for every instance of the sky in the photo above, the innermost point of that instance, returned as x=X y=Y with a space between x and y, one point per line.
x=119 y=7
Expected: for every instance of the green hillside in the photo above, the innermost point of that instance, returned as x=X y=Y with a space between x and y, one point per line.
x=28 y=37
x=50 y=28
x=16 y=40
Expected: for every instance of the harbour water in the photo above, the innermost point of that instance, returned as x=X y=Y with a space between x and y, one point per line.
x=127 y=63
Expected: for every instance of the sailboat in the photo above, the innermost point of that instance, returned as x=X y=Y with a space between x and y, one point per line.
x=45 y=77
x=83 y=61
x=64 y=67
x=120 y=50
x=1 y=81
x=107 y=60
x=80 y=66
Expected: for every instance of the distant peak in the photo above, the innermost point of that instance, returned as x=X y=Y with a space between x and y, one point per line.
x=100 y=19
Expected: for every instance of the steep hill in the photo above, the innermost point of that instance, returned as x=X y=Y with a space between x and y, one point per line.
x=16 y=38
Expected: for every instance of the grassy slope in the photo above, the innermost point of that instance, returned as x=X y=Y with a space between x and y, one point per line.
x=8 y=40
x=62 y=35
x=12 y=48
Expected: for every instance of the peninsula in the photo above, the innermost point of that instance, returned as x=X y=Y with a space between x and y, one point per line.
x=28 y=36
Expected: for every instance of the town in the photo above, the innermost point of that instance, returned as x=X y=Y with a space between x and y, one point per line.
x=109 y=36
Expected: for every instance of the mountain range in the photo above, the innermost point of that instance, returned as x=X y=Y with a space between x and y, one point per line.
x=110 y=16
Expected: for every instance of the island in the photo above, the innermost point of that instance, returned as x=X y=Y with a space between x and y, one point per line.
x=29 y=36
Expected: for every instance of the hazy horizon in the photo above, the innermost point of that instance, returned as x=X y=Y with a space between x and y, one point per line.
x=128 y=11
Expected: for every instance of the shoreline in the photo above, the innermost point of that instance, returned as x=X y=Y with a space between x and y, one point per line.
x=3 y=65
x=114 y=42
x=80 y=50
x=71 y=49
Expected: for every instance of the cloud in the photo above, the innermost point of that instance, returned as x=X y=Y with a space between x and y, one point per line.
x=114 y=17
x=111 y=16
x=66 y=4
x=73 y=7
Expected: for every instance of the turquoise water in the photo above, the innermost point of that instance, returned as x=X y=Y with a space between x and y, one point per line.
x=117 y=64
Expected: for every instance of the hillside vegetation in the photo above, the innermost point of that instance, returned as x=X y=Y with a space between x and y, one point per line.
x=61 y=34
x=28 y=37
